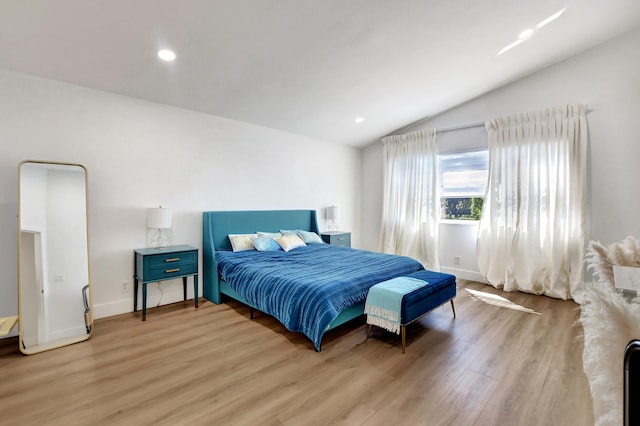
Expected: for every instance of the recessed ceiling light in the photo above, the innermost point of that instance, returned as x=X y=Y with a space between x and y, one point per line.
x=359 y=120
x=166 y=55
x=525 y=34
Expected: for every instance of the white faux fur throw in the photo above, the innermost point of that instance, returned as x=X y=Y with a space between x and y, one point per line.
x=610 y=321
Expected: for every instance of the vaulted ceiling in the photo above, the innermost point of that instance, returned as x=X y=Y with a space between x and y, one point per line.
x=305 y=66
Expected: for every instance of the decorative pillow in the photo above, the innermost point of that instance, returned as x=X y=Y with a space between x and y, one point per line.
x=289 y=242
x=241 y=242
x=287 y=231
x=309 y=237
x=265 y=244
x=271 y=235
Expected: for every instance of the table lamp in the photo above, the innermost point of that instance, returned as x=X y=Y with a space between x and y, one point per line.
x=158 y=219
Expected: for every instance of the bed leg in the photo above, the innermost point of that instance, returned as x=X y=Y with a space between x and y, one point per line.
x=403 y=328
x=453 y=308
x=251 y=313
x=369 y=331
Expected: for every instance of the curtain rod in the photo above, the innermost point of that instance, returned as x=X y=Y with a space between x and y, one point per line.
x=462 y=127
x=444 y=130
x=467 y=126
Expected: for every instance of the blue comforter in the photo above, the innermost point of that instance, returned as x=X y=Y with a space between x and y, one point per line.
x=306 y=288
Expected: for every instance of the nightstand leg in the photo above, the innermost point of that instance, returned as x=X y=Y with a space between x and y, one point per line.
x=195 y=289
x=135 y=294
x=184 y=289
x=144 y=301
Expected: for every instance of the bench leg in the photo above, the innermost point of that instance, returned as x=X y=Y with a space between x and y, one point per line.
x=453 y=308
x=403 y=329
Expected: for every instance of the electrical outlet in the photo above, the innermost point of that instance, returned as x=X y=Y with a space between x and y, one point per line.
x=457 y=260
x=124 y=287
x=58 y=278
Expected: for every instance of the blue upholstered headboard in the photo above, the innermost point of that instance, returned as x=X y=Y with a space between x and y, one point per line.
x=216 y=226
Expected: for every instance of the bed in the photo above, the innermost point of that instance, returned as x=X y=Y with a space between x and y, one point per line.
x=310 y=289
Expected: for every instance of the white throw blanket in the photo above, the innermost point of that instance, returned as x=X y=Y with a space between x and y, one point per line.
x=610 y=321
x=384 y=301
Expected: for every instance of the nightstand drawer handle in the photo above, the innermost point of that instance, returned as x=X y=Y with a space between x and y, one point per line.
x=173 y=259
x=341 y=238
x=172 y=270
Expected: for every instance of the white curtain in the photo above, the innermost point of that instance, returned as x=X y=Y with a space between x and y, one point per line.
x=411 y=206
x=531 y=233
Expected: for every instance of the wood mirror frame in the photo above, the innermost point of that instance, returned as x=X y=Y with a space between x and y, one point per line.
x=54 y=280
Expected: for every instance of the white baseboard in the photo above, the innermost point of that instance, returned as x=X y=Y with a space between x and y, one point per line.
x=154 y=296
x=110 y=309
x=464 y=274
x=173 y=295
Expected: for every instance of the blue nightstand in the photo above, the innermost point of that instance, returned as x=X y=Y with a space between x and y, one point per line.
x=164 y=263
x=337 y=238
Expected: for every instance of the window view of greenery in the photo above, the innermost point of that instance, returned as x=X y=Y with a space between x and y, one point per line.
x=463 y=179
x=462 y=208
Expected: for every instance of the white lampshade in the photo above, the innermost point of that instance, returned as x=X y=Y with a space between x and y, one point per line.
x=159 y=218
x=332 y=213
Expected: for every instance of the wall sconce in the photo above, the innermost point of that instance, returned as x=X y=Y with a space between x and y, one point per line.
x=158 y=219
x=332 y=216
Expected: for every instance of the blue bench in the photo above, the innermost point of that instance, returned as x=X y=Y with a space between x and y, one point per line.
x=441 y=288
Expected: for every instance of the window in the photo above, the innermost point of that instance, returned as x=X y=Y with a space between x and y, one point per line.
x=463 y=179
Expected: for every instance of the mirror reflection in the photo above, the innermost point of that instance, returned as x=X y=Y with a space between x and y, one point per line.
x=54 y=291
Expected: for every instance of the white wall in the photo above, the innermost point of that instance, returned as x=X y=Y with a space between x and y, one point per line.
x=139 y=155
x=605 y=78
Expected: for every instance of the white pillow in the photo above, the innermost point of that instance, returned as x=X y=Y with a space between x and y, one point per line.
x=242 y=242
x=289 y=242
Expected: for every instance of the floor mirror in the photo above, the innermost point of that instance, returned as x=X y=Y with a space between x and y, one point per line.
x=54 y=285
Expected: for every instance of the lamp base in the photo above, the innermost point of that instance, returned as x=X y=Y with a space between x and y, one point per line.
x=158 y=238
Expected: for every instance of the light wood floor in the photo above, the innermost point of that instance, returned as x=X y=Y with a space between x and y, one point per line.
x=492 y=365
